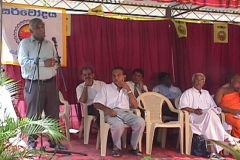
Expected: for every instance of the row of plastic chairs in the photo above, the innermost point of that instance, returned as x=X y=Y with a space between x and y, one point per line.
x=152 y=103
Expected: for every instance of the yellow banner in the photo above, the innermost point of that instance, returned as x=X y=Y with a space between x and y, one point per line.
x=181 y=28
x=220 y=32
x=96 y=11
x=68 y=23
x=134 y=18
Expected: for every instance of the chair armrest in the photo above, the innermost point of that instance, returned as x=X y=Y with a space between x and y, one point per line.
x=223 y=118
x=136 y=111
x=102 y=117
x=181 y=116
x=186 y=117
x=66 y=104
x=62 y=100
x=101 y=112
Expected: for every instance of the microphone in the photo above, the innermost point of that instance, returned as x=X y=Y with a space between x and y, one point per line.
x=54 y=40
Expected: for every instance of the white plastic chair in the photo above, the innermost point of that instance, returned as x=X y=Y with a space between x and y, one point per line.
x=85 y=123
x=153 y=103
x=104 y=128
x=65 y=114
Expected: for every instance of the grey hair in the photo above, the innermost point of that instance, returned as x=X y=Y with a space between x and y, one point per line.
x=34 y=22
x=198 y=74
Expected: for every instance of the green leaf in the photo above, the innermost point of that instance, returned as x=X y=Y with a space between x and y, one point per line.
x=22 y=128
x=231 y=150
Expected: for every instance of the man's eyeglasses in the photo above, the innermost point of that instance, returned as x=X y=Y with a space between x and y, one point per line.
x=199 y=80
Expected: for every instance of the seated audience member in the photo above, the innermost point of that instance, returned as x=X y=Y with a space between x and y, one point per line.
x=203 y=114
x=229 y=100
x=230 y=76
x=115 y=100
x=137 y=87
x=136 y=84
x=87 y=91
x=168 y=90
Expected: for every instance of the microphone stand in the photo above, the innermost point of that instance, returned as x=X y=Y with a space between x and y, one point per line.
x=59 y=62
x=57 y=150
x=36 y=62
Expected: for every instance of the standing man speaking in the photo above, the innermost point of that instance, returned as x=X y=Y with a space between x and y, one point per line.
x=37 y=58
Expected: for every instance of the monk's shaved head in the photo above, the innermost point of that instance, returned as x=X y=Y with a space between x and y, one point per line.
x=235 y=82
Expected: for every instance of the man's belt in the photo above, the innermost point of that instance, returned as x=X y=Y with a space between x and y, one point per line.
x=42 y=81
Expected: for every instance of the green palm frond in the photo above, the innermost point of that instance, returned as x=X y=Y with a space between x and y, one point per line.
x=231 y=150
x=25 y=127
x=9 y=84
x=13 y=132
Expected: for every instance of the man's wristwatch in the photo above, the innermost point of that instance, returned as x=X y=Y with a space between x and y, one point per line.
x=129 y=92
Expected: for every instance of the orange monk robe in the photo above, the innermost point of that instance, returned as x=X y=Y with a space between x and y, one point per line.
x=232 y=101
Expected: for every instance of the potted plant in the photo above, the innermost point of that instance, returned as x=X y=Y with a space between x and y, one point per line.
x=13 y=130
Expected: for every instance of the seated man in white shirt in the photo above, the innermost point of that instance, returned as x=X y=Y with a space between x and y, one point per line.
x=168 y=90
x=87 y=91
x=203 y=114
x=115 y=100
x=136 y=84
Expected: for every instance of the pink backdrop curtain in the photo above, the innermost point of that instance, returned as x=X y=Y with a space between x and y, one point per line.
x=199 y=53
x=104 y=43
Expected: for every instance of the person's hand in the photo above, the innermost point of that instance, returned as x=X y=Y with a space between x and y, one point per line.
x=87 y=81
x=198 y=111
x=123 y=84
x=111 y=112
x=49 y=62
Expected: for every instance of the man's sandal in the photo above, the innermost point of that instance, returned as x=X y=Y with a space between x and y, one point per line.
x=135 y=152
x=116 y=153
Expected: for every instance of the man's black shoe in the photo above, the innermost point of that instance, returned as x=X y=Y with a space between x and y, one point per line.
x=58 y=147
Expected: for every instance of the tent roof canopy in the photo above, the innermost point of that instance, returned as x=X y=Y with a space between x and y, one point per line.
x=145 y=8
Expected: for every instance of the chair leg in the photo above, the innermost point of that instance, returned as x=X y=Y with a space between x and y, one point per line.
x=87 y=125
x=188 y=140
x=81 y=128
x=67 y=126
x=178 y=141
x=149 y=138
x=104 y=135
x=159 y=135
x=181 y=140
x=140 y=144
x=124 y=138
x=164 y=136
x=98 y=140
